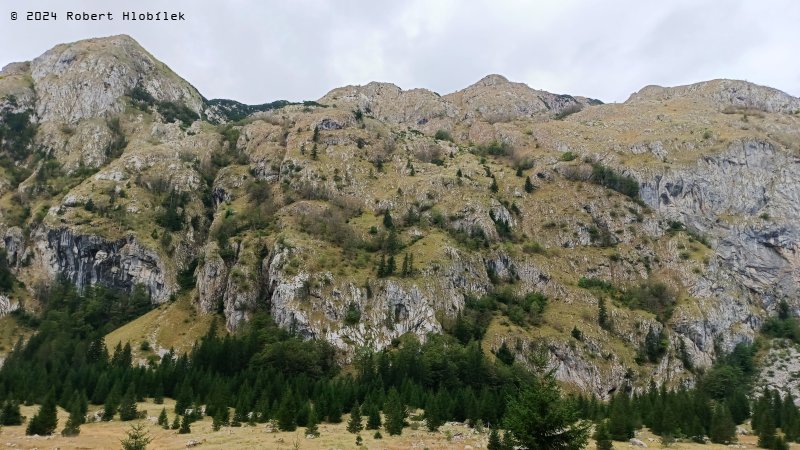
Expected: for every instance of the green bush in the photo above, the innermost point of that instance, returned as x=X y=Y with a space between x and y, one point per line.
x=353 y=315
x=623 y=184
x=443 y=135
x=495 y=148
x=568 y=156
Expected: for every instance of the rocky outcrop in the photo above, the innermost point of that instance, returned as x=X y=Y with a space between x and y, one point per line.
x=723 y=94
x=7 y=305
x=351 y=316
x=86 y=259
x=211 y=279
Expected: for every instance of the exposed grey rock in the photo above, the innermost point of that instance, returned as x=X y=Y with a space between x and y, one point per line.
x=87 y=259
x=7 y=305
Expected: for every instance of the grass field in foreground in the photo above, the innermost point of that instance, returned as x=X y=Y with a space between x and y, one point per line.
x=107 y=435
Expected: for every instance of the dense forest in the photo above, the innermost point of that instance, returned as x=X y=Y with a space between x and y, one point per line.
x=265 y=373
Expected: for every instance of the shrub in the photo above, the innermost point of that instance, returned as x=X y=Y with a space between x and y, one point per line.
x=443 y=135
x=353 y=315
x=495 y=148
x=623 y=184
x=568 y=156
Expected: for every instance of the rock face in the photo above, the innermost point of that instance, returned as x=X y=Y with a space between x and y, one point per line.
x=494 y=189
x=7 y=305
x=91 y=259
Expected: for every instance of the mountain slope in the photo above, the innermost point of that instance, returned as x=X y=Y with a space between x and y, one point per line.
x=677 y=208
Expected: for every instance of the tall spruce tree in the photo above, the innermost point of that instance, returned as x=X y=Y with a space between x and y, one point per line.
x=722 y=429
x=602 y=437
x=287 y=413
x=395 y=412
x=374 y=418
x=185 y=426
x=538 y=418
x=354 y=425
x=620 y=425
x=766 y=430
x=45 y=421
x=162 y=419
x=74 y=421
x=127 y=406
x=312 y=423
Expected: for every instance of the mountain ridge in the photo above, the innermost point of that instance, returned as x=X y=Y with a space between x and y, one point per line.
x=131 y=176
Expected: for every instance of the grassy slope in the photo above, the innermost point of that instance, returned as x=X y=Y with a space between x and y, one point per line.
x=173 y=325
x=10 y=332
x=108 y=434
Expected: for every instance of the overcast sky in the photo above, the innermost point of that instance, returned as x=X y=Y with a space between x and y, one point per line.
x=257 y=51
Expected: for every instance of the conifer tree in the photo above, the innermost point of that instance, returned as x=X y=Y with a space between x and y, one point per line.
x=287 y=414
x=136 y=438
x=434 y=416
x=45 y=421
x=185 y=426
x=603 y=437
x=529 y=187
x=395 y=413
x=722 y=429
x=184 y=400
x=620 y=425
x=72 y=427
x=519 y=171
x=766 y=430
x=374 y=418
x=354 y=425
x=390 y=266
x=388 y=223
x=176 y=423
x=217 y=421
x=494 y=441
x=162 y=419
x=406 y=271
x=10 y=414
x=538 y=418
x=127 y=406
x=602 y=314
x=158 y=397
x=780 y=444
x=312 y=423
x=111 y=404
x=382 y=267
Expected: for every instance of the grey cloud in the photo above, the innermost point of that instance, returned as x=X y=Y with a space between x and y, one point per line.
x=259 y=51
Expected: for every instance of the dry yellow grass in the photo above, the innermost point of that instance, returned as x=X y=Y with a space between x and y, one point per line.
x=173 y=325
x=107 y=435
x=10 y=332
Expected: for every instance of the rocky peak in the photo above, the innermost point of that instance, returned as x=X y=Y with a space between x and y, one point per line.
x=722 y=94
x=490 y=80
x=496 y=99
x=87 y=79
